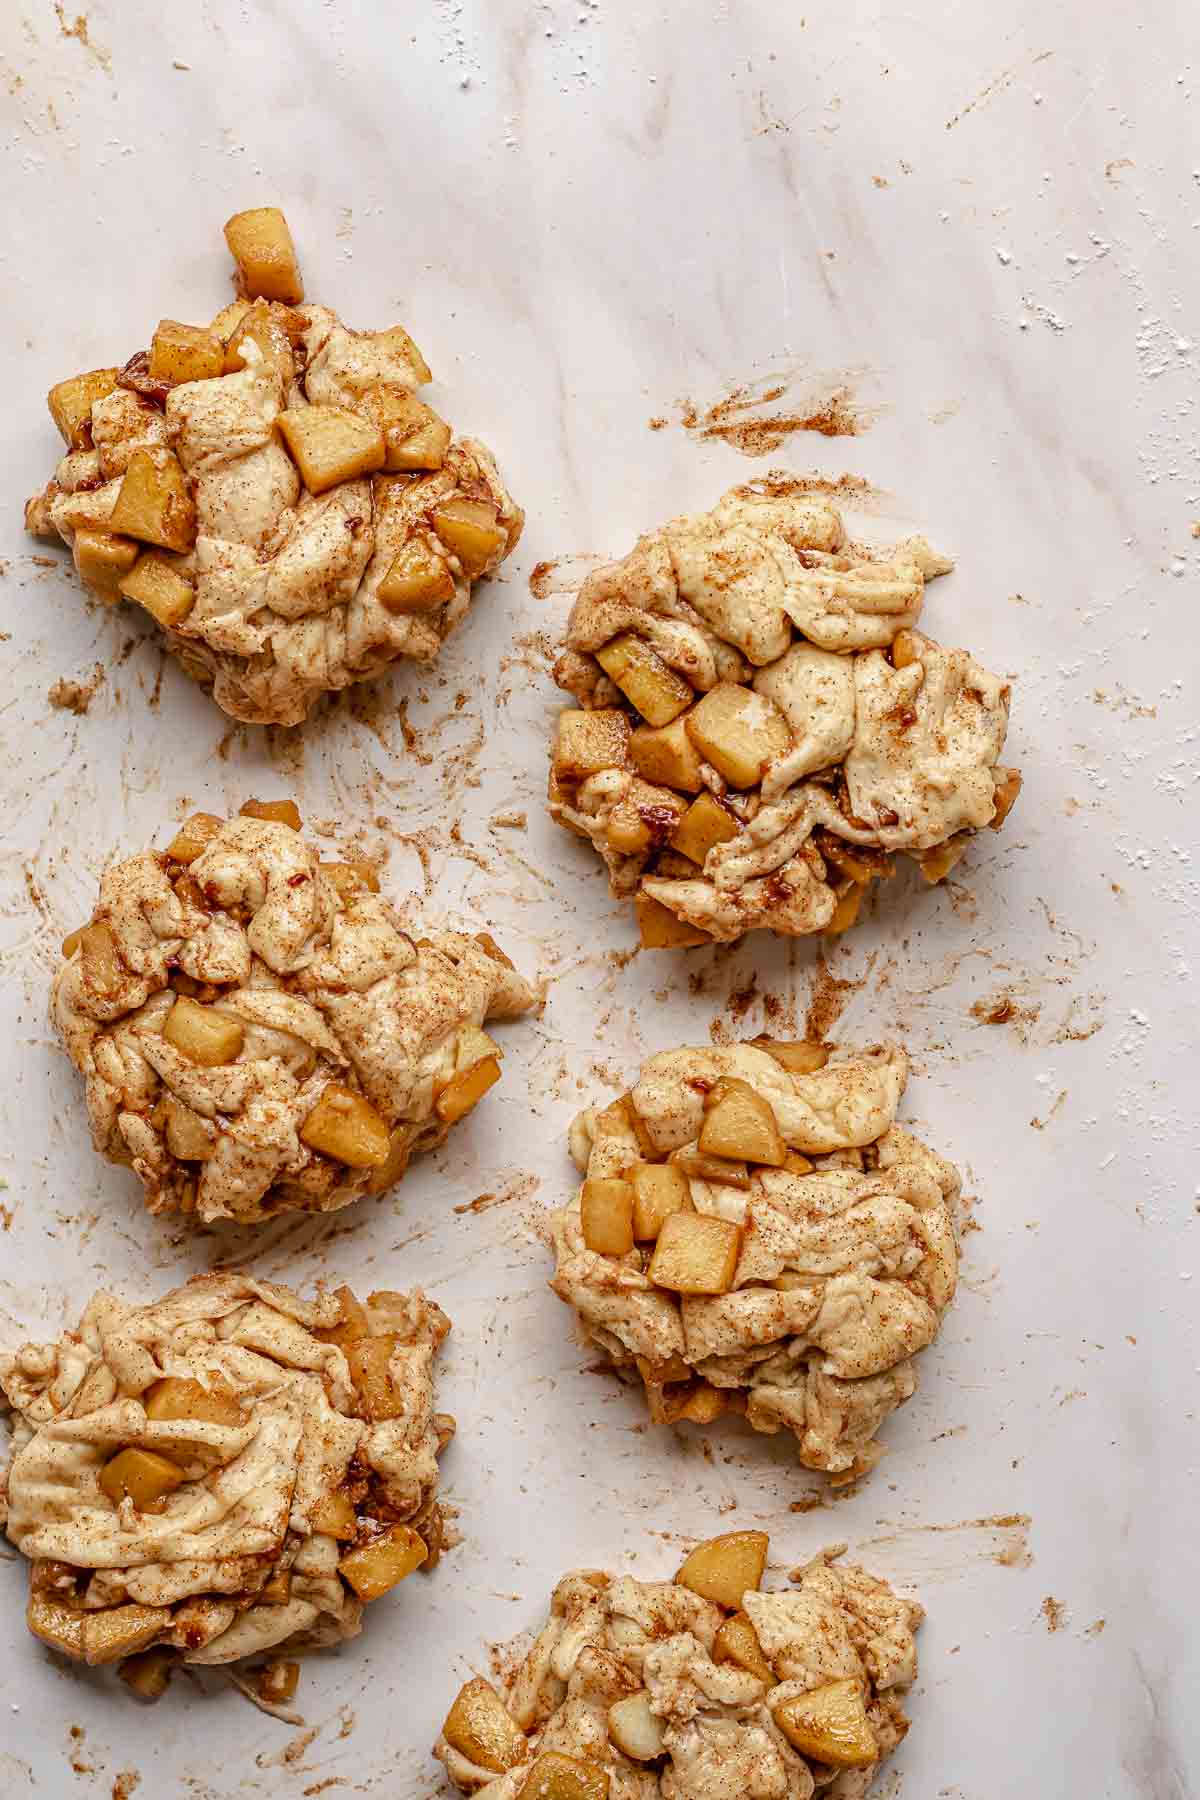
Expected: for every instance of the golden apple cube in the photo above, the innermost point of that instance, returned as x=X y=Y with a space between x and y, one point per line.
x=148 y=1674
x=738 y=732
x=346 y=1127
x=375 y=1567
x=145 y=1476
x=666 y=756
x=370 y=1370
x=229 y=318
x=103 y=560
x=481 y=1728
x=71 y=402
x=722 y=1169
x=646 y=681
x=276 y=812
x=400 y=1144
x=56 y=1625
x=830 y=1725
x=739 y=1123
x=334 y=1516
x=466 y=1089
x=416 y=438
x=259 y=339
x=181 y=353
x=419 y=580
x=846 y=911
x=737 y=1642
x=696 y=1254
x=158 y=584
x=705 y=823
x=660 y=929
x=203 y=1034
x=722 y=1568
x=634 y=1729
x=796 y=1164
x=659 y=1189
x=352 y=1323
x=606 y=1216
x=177 y=1397
x=798 y=1057
x=937 y=863
x=905 y=649
x=155 y=504
x=189 y=1137
x=194 y=836
x=277 y=1590
x=330 y=444
x=121 y=1631
x=261 y=245
x=1008 y=786
x=350 y=877
x=102 y=970
x=588 y=742
x=278 y=1682
x=469 y=531
x=558 y=1777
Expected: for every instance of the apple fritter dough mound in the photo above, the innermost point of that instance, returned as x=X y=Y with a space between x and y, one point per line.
x=262 y=1032
x=759 y=723
x=272 y=491
x=702 y=1688
x=756 y=1234
x=226 y=1472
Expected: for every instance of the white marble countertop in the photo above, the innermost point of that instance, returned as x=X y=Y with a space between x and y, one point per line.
x=984 y=223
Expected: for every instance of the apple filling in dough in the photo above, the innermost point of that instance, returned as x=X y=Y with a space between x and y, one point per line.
x=702 y=1688
x=270 y=489
x=227 y=1472
x=755 y=1234
x=759 y=723
x=263 y=1032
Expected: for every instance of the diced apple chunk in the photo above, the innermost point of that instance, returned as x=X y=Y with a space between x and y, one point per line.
x=1008 y=786
x=400 y=1143
x=375 y=1567
x=737 y=1642
x=797 y=1057
x=155 y=504
x=666 y=756
x=796 y=1164
x=156 y=583
x=71 y=403
x=469 y=531
x=148 y=1674
x=261 y=245
x=277 y=1589
x=370 y=1370
x=56 y=1625
x=558 y=1777
x=905 y=649
x=185 y=353
x=194 y=836
x=739 y=1123
x=739 y=732
x=481 y=1728
x=278 y=1681
x=722 y=1169
x=846 y=911
x=103 y=560
x=830 y=1725
x=346 y=1127
x=660 y=929
x=588 y=742
x=466 y=1089
x=229 y=318
x=937 y=863
x=696 y=1254
x=203 y=1034
x=275 y=812
x=659 y=1189
x=634 y=1729
x=102 y=971
x=352 y=1320
x=415 y=437
x=330 y=444
x=121 y=1631
x=259 y=339
x=419 y=580
x=646 y=681
x=705 y=823
x=145 y=1476
x=334 y=1516
x=177 y=1397
x=606 y=1216
x=722 y=1568
x=350 y=877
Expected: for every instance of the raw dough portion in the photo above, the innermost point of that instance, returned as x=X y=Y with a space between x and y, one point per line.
x=253 y=1548
x=845 y=1263
x=335 y=992
x=880 y=739
x=632 y=1681
x=284 y=601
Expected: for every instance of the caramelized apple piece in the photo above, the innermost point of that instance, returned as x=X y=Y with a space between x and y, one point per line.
x=278 y=812
x=661 y=930
x=905 y=649
x=634 y=1729
x=480 y=1727
x=846 y=911
x=352 y=1323
x=121 y=1631
x=56 y=1625
x=181 y=353
x=346 y=1127
x=466 y=1089
x=375 y=1567
x=414 y=436
x=739 y=732
x=158 y=584
x=334 y=1516
x=400 y=1144
x=145 y=1476
x=148 y=1673
x=740 y=1124
x=103 y=560
x=937 y=863
x=349 y=877
x=797 y=1057
x=722 y=1568
x=419 y=580
x=737 y=1642
x=696 y=1254
x=278 y=1681
x=587 y=742
x=646 y=681
x=330 y=444
x=101 y=965
x=469 y=531
x=1008 y=786
x=659 y=1189
x=667 y=756
x=194 y=835
x=203 y=1034
x=830 y=1725
x=370 y=1370
x=177 y=1397
x=557 y=1777
x=71 y=403
x=155 y=503
x=606 y=1216
x=261 y=246
x=705 y=823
